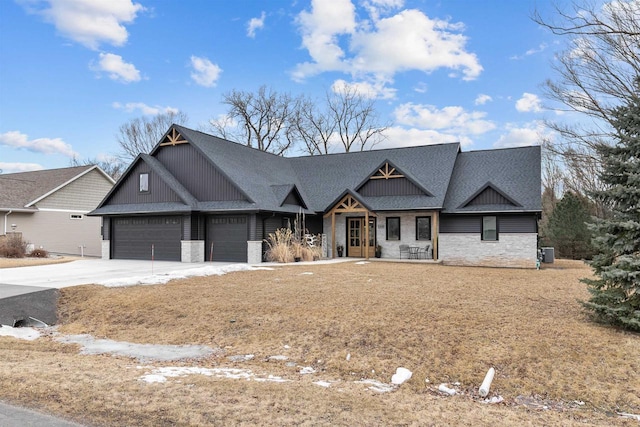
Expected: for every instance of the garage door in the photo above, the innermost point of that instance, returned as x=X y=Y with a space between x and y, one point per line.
x=131 y=238
x=228 y=235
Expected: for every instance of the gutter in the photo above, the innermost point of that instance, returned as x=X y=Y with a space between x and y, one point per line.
x=6 y=216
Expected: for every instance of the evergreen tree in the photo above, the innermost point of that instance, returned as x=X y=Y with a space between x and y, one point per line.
x=615 y=295
x=567 y=227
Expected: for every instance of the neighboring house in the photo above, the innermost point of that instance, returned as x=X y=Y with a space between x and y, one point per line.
x=197 y=197
x=49 y=208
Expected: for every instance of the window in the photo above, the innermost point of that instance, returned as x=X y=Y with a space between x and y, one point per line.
x=393 y=228
x=489 y=228
x=144 y=182
x=75 y=216
x=423 y=228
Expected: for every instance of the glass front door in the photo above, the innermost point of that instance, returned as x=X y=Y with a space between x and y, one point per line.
x=356 y=237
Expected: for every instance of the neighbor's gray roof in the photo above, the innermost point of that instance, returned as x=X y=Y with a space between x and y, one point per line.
x=18 y=190
x=513 y=171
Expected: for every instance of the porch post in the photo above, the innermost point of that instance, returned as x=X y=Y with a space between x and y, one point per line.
x=366 y=234
x=333 y=234
x=435 y=234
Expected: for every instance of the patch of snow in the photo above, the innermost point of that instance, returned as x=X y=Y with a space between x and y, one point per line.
x=160 y=279
x=362 y=262
x=348 y=356
x=401 y=375
x=378 y=386
x=142 y=352
x=323 y=383
x=287 y=346
x=307 y=273
x=278 y=357
x=161 y=374
x=494 y=400
x=241 y=357
x=632 y=416
x=28 y=334
x=307 y=370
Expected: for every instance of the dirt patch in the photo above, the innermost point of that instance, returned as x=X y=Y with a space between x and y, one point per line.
x=347 y=323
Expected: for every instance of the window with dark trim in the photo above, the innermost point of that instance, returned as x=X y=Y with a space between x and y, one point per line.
x=393 y=228
x=490 y=228
x=144 y=182
x=423 y=228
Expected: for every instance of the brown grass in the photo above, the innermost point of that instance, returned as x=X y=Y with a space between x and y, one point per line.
x=30 y=262
x=447 y=324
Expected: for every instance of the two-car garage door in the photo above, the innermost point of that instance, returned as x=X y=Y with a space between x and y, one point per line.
x=133 y=238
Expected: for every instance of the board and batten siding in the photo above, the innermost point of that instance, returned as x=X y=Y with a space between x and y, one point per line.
x=387 y=187
x=83 y=194
x=473 y=223
x=129 y=190
x=197 y=174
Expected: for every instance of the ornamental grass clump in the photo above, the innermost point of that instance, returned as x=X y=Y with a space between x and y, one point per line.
x=280 y=246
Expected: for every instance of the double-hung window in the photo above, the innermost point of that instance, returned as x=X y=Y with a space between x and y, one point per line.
x=393 y=228
x=423 y=228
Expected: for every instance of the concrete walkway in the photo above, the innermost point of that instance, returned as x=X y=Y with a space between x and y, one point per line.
x=12 y=416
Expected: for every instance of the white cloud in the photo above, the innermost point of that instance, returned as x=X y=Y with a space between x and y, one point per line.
x=116 y=68
x=145 y=109
x=205 y=73
x=482 y=99
x=16 y=139
x=380 y=47
x=397 y=136
x=371 y=90
x=255 y=24
x=529 y=103
x=529 y=134
x=541 y=48
x=90 y=22
x=451 y=120
x=19 y=167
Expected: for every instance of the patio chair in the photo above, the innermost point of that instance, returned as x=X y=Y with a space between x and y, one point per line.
x=404 y=249
x=424 y=252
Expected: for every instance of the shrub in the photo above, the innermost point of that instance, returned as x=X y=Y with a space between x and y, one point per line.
x=39 y=253
x=12 y=246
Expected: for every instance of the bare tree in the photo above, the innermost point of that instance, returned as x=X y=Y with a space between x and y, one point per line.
x=595 y=74
x=112 y=167
x=315 y=128
x=355 y=119
x=263 y=120
x=140 y=135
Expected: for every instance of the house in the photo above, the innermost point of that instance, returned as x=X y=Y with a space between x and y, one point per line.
x=197 y=197
x=49 y=208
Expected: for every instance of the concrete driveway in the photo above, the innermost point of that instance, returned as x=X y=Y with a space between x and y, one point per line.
x=87 y=271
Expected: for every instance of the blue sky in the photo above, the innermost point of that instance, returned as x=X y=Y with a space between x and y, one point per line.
x=73 y=71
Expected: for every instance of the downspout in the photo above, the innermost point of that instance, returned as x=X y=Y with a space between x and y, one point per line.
x=6 y=217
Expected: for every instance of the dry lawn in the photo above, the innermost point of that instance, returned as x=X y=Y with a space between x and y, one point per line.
x=447 y=324
x=30 y=262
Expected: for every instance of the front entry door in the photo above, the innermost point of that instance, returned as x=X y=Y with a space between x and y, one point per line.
x=356 y=236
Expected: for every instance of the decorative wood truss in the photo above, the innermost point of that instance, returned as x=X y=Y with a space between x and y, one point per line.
x=173 y=138
x=387 y=171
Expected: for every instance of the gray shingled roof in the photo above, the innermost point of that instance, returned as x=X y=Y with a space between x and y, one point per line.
x=326 y=177
x=513 y=171
x=449 y=176
x=17 y=190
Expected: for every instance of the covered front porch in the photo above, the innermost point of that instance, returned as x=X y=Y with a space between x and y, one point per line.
x=354 y=230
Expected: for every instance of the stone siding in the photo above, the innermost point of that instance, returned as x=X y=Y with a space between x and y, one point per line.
x=192 y=250
x=106 y=249
x=254 y=252
x=511 y=250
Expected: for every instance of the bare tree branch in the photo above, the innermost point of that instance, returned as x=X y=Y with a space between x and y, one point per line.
x=140 y=135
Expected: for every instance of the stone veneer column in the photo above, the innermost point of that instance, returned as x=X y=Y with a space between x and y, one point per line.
x=192 y=250
x=254 y=251
x=106 y=249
